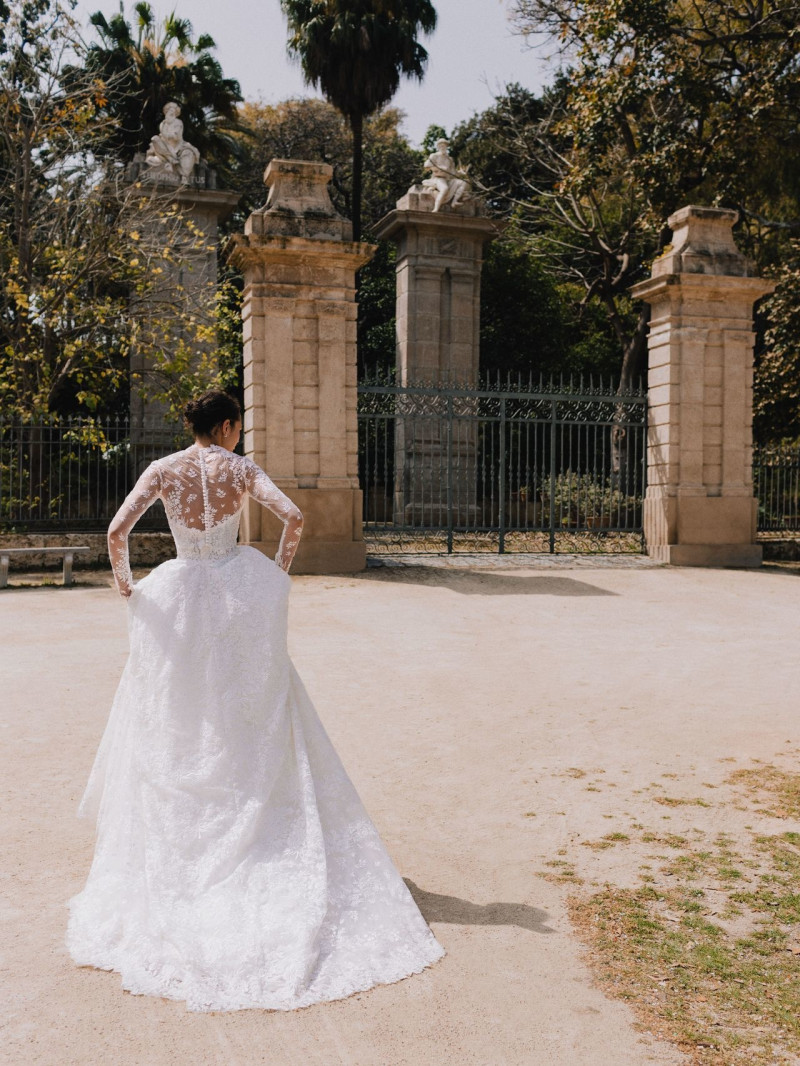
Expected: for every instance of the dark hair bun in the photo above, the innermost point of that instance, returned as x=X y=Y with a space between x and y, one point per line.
x=204 y=413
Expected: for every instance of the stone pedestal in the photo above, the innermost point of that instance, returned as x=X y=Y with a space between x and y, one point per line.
x=299 y=315
x=439 y=257
x=699 y=509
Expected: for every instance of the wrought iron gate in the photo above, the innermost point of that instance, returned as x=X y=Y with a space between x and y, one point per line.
x=507 y=466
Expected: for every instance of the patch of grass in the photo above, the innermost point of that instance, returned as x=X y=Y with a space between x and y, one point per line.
x=721 y=1001
x=777 y=890
x=778 y=789
x=726 y=999
x=675 y=801
x=608 y=841
x=561 y=873
x=669 y=840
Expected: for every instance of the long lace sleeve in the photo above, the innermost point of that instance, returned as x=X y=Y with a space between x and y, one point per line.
x=144 y=492
x=262 y=489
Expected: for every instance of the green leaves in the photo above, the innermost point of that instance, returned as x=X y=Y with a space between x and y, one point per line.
x=659 y=103
x=356 y=52
x=150 y=63
x=777 y=383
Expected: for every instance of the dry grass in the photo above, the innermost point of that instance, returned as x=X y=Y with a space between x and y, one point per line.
x=675 y=801
x=706 y=948
x=777 y=790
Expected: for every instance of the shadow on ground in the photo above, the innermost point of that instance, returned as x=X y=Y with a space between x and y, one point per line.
x=470 y=583
x=438 y=908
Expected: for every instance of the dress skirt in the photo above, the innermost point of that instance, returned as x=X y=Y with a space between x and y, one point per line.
x=235 y=865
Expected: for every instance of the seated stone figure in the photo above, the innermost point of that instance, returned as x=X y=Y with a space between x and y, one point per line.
x=451 y=185
x=168 y=152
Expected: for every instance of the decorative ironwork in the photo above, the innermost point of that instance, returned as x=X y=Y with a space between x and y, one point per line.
x=502 y=465
x=776 y=481
x=73 y=474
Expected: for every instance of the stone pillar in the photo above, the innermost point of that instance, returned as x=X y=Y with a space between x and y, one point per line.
x=195 y=272
x=299 y=315
x=699 y=508
x=439 y=258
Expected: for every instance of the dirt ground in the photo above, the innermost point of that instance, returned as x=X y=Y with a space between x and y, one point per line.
x=492 y=721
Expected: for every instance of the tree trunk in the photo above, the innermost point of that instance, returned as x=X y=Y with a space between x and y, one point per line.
x=357 y=126
x=626 y=450
x=634 y=359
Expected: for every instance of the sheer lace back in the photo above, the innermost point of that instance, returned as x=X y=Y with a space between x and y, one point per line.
x=203 y=490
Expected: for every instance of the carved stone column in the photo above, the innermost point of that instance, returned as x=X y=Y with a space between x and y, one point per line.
x=439 y=258
x=299 y=316
x=699 y=508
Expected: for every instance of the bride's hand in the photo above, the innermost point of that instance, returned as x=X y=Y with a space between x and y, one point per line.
x=126 y=591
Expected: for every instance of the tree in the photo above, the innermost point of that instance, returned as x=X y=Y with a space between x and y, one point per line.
x=356 y=52
x=527 y=321
x=313 y=129
x=661 y=102
x=777 y=380
x=488 y=145
x=303 y=128
x=151 y=63
x=538 y=272
x=81 y=250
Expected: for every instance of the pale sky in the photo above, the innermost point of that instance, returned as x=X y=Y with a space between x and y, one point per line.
x=473 y=55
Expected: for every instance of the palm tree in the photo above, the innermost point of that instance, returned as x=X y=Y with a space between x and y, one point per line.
x=147 y=64
x=356 y=51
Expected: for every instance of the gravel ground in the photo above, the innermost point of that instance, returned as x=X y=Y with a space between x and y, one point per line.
x=463 y=699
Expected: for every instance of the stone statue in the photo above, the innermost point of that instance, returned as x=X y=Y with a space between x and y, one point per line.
x=169 y=153
x=451 y=185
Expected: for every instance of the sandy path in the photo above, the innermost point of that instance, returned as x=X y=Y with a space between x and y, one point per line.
x=458 y=701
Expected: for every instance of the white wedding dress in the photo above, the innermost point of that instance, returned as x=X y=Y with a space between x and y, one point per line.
x=235 y=865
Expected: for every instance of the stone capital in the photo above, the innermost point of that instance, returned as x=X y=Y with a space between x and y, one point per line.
x=252 y=249
x=298 y=203
x=702 y=243
x=474 y=227
x=676 y=288
x=298 y=186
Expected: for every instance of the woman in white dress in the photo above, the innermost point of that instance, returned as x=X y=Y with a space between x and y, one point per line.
x=235 y=865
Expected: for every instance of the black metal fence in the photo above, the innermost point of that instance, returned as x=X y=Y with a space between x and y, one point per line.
x=504 y=467
x=511 y=465
x=776 y=477
x=73 y=474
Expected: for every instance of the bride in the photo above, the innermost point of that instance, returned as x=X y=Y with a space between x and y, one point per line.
x=235 y=865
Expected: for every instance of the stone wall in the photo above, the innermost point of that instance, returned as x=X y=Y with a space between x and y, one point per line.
x=146 y=549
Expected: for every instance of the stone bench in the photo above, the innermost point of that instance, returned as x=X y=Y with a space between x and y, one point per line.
x=68 y=552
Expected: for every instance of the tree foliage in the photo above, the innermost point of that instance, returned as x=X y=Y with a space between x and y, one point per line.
x=151 y=62
x=527 y=321
x=661 y=103
x=313 y=129
x=777 y=379
x=304 y=128
x=356 y=52
x=83 y=254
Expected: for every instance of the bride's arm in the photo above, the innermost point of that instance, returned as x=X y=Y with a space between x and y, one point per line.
x=144 y=492
x=262 y=489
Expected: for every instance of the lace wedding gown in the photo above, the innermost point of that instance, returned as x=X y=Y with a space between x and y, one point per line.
x=235 y=865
